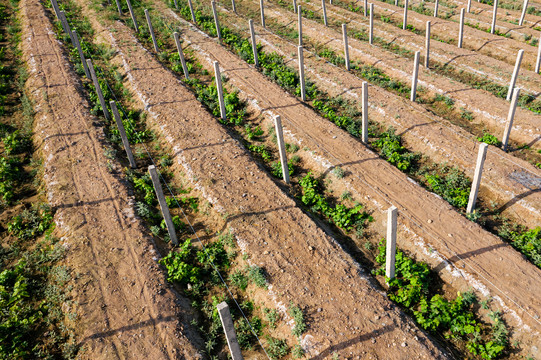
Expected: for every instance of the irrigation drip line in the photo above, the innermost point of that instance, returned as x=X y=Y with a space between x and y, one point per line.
x=185 y=217
x=436 y=238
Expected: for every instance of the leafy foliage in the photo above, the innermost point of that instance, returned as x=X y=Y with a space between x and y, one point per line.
x=390 y=147
x=452 y=185
x=31 y=222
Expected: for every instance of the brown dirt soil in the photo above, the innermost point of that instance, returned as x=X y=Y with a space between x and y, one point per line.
x=423 y=132
x=493 y=45
x=125 y=308
x=327 y=283
x=527 y=126
x=459 y=248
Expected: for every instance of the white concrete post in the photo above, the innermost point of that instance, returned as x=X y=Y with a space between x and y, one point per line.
x=405 y=22
x=494 y=13
x=55 y=8
x=395 y=2
x=191 y=11
x=364 y=95
x=229 y=330
x=371 y=33
x=524 y=8
x=234 y=6
x=98 y=89
x=176 y=4
x=119 y=7
x=220 y=89
x=254 y=44
x=415 y=75
x=461 y=29
x=481 y=156
x=123 y=135
x=216 y=22
x=538 y=62
x=468 y=9
x=427 y=45
x=281 y=147
x=301 y=73
x=163 y=204
x=436 y=8
x=81 y=55
x=295 y=6
x=390 y=253
x=346 y=48
x=151 y=29
x=324 y=12
x=365 y=7
x=510 y=118
x=181 y=55
x=262 y=8
x=515 y=74
x=299 y=13
x=132 y=14
x=66 y=27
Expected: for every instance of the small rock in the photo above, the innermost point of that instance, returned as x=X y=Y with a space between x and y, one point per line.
x=430 y=221
x=404 y=344
x=373 y=341
x=311 y=248
x=319 y=310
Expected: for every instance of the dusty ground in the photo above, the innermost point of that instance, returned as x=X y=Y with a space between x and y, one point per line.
x=277 y=235
x=425 y=219
x=492 y=117
x=125 y=308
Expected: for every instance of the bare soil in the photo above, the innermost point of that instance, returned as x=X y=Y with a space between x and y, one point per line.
x=125 y=309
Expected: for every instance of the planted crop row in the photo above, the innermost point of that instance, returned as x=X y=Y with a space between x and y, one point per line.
x=347 y=219
x=448 y=182
x=32 y=284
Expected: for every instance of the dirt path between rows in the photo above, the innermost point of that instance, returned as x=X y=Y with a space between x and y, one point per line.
x=489 y=111
x=347 y=313
x=125 y=309
x=482 y=259
x=423 y=131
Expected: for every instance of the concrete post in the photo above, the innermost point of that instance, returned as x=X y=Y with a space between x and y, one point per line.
x=324 y=12
x=98 y=89
x=371 y=33
x=216 y=22
x=364 y=95
x=181 y=55
x=234 y=6
x=218 y=77
x=524 y=8
x=151 y=29
x=436 y=8
x=515 y=74
x=461 y=29
x=365 y=8
x=262 y=9
x=481 y=156
x=163 y=204
x=494 y=13
x=281 y=147
x=176 y=4
x=510 y=118
x=295 y=6
x=229 y=330
x=56 y=9
x=538 y=61
x=191 y=11
x=414 y=77
x=81 y=55
x=427 y=45
x=299 y=29
x=405 y=21
x=66 y=26
x=468 y=9
x=119 y=7
x=301 y=73
x=123 y=136
x=254 y=44
x=346 y=48
x=395 y=2
x=390 y=253
x=132 y=14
